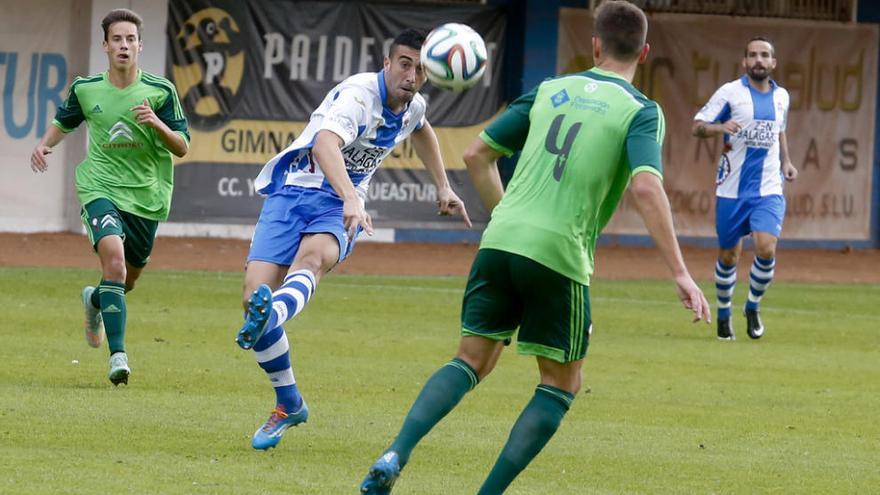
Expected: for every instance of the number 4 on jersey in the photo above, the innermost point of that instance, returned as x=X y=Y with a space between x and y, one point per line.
x=561 y=153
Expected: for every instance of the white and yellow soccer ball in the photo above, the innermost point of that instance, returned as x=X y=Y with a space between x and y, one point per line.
x=454 y=57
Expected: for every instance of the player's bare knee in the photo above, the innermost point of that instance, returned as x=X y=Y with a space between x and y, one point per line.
x=729 y=258
x=316 y=262
x=114 y=270
x=482 y=365
x=564 y=376
x=766 y=253
x=766 y=250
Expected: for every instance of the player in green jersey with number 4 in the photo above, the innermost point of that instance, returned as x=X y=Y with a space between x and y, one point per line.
x=584 y=137
x=135 y=123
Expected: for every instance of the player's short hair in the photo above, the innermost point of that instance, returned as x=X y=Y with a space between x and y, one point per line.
x=121 y=15
x=760 y=38
x=412 y=38
x=622 y=27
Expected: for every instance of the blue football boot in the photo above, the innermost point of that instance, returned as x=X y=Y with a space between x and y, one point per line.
x=279 y=421
x=382 y=475
x=258 y=311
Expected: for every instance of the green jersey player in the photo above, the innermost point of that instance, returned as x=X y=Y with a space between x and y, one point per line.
x=584 y=138
x=135 y=124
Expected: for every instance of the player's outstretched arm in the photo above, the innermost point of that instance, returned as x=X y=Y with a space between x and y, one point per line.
x=53 y=136
x=653 y=206
x=481 y=161
x=427 y=148
x=328 y=154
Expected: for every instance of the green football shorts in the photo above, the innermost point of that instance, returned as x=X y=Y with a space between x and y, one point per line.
x=506 y=291
x=102 y=218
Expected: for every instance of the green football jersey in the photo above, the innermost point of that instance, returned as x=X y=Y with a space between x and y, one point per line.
x=582 y=136
x=126 y=162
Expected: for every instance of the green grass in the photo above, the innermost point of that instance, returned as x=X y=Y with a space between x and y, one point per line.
x=666 y=408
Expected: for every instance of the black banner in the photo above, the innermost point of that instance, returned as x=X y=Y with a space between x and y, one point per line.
x=249 y=74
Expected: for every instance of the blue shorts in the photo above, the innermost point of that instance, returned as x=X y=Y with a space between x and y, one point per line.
x=735 y=218
x=291 y=212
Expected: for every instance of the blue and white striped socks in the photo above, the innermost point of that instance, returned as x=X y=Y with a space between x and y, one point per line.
x=759 y=279
x=725 y=280
x=273 y=355
x=273 y=350
x=291 y=297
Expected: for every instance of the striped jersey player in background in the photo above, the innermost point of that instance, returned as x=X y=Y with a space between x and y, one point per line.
x=314 y=211
x=135 y=124
x=751 y=112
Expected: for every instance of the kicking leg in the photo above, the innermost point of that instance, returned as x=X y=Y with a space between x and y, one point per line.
x=267 y=311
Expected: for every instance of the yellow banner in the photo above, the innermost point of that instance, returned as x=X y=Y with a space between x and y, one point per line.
x=830 y=72
x=256 y=141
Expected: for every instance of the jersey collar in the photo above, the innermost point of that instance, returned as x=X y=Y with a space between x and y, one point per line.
x=745 y=82
x=606 y=73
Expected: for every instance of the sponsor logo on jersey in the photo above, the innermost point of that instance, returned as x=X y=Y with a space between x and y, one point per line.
x=761 y=134
x=97 y=109
x=208 y=63
x=559 y=98
x=591 y=87
x=363 y=160
x=120 y=131
x=592 y=104
x=121 y=136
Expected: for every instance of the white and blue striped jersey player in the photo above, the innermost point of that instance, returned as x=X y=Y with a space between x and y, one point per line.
x=749 y=180
x=300 y=199
x=316 y=192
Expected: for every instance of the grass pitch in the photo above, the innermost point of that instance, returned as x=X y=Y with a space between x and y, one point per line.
x=666 y=408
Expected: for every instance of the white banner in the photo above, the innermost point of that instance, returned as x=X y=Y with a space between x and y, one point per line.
x=38 y=58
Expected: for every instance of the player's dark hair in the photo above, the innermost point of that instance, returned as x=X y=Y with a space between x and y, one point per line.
x=765 y=40
x=622 y=27
x=121 y=15
x=412 y=38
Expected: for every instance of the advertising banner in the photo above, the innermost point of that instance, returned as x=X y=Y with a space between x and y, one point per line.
x=830 y=71
x=249 y=73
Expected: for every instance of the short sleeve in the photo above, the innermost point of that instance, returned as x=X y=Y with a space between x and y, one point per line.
x=644 y=140
x=69 y=115
x=784 y=122
x=346 y=115
x=507 y=134
x=171 y=113
x=717 y=109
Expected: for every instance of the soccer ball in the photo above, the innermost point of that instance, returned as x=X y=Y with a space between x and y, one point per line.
x=454 y=57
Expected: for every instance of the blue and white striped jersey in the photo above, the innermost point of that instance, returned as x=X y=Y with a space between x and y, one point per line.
x=355 y=111
x=749 y=165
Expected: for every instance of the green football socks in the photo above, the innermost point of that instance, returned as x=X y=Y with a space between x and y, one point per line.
x=441 y=394
x=112 y=295
x=536 y=424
